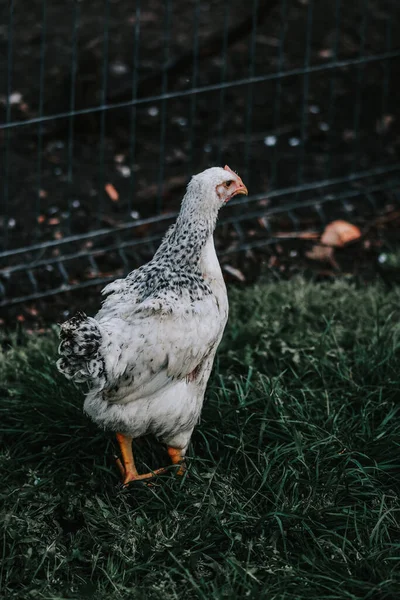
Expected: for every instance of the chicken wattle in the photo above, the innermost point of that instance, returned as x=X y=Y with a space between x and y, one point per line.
x=148 y=353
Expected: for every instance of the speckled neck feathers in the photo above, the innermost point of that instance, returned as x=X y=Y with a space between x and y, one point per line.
x=186 y=239
x=185 y=260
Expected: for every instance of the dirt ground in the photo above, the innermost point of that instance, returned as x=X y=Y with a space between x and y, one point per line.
x=55 y=174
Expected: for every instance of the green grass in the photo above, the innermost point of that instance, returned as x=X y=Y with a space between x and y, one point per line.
x=294 y=472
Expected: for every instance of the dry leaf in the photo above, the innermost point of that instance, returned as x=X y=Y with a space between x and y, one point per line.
x=41 y=219
x=42 y=194
x=302 y=235
x=235 y=272
x=339 y=233
x=111 y=192
x=54 y=221
x=323 y=254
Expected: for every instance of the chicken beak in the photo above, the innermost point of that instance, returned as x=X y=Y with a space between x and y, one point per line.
x=241 y=189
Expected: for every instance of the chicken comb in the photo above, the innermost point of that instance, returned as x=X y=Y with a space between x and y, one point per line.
x=233 y=172
x=229 y=169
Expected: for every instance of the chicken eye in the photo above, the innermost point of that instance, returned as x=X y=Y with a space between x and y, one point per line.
x=228 y=183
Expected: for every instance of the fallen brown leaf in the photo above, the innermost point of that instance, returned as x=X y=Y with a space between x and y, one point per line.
x=323 y=254
x=111 y=192
x=339 y=233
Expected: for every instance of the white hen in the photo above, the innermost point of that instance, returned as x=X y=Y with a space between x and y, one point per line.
x=148 y=352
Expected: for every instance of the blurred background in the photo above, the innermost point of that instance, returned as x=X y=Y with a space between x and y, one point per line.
x=107 y=107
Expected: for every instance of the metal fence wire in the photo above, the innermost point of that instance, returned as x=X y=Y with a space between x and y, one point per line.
x=107 y=107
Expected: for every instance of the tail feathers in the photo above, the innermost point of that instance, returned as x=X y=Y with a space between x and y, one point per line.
x=79 y=349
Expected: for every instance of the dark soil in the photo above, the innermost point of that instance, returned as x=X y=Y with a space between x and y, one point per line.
x=55 y=173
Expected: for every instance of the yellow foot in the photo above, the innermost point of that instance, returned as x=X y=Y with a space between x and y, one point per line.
x=127 y=465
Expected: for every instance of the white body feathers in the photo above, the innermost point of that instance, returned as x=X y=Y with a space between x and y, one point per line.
x=149 y=351
x=160 y=351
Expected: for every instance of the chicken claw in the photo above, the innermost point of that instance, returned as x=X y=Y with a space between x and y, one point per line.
x=127 y=466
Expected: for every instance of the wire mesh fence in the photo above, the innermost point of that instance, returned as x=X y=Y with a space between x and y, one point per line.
x=108 y=107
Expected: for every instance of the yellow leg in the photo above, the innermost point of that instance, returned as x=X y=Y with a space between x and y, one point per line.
x=128 y=470
x=176 y=457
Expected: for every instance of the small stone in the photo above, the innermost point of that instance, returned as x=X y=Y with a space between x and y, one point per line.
x=293 y=141
x=325 y=53
x=181 y=121
x=153 y=111
x=124 y=170
x=15 y=98
x=119 y=68
x=270 y=140
x=382 y=258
